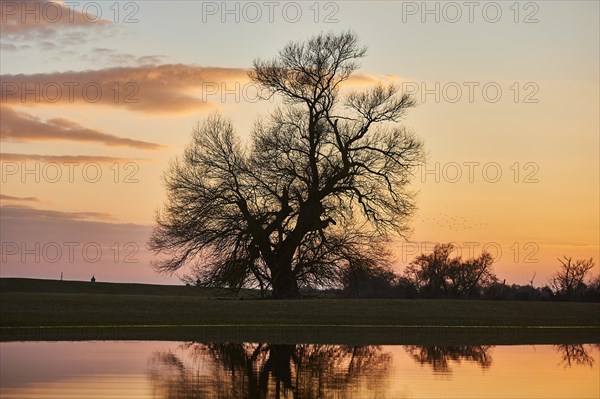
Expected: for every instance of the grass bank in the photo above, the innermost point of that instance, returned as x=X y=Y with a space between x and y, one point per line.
x=35 y=305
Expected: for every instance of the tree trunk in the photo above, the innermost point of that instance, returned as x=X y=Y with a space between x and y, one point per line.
x=284 y=283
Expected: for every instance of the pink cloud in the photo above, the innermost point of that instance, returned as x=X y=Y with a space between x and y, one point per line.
x=23 y=127
x=154 y=89
x=42 y=243
x=167 y=89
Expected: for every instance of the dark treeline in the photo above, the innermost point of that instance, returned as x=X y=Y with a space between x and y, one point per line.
x=440 y=275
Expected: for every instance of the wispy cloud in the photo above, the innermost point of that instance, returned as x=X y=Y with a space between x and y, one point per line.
x=14 y=157
x=109 y=57
x=27 y=212
x=359 y=79
x=167 y=89
x=47 y=20
x=43 y=243
x=12 y=198
x=23 y=127
x=8 y=47
x=155 y=89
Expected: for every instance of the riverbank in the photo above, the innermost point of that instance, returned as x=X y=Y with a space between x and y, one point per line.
x=152 y=312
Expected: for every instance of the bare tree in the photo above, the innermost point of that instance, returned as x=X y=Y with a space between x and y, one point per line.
x=569 y=281
x=321 y=185
x=438 y=274
x=469 y=275
x=430 y=272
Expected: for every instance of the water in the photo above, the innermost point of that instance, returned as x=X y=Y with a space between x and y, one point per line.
x=164 y=369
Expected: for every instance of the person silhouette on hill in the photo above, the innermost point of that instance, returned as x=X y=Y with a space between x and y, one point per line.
x=93 y=280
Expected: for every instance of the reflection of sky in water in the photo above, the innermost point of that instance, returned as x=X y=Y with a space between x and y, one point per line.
x=181 y=370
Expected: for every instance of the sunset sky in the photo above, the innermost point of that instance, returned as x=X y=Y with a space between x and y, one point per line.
x=97 y=98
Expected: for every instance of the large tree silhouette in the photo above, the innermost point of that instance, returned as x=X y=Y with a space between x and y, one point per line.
x=320 y=186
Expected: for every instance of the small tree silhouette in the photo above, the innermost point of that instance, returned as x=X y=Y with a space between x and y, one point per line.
x=570 y=280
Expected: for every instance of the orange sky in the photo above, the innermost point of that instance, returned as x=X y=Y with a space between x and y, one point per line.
x=91 y=113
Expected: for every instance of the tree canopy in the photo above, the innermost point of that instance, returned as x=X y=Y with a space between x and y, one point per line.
x=321 y=186
x=439 y=275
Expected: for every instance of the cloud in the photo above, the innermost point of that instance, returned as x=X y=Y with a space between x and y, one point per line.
x=109 y=57
x=26 y=212
x=46 y=19
x=362 y=79
x=14 y=47
x=12 y=157
x=8 y=47
x=46 y=45
x=22 y=127
x=4 y=197
x=42 y=243
x=165 y=89
x=170 y=88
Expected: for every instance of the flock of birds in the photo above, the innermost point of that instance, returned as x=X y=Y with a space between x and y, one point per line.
x=457 y=223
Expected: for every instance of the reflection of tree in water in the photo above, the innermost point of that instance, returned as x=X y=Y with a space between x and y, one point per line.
x=576 y=355
x=439 y=357
x=264 y=370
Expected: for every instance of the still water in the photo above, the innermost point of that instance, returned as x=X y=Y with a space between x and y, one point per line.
x=164 y=369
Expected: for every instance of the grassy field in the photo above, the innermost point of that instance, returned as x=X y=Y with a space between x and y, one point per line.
x=85 y=287
x=44 y=303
